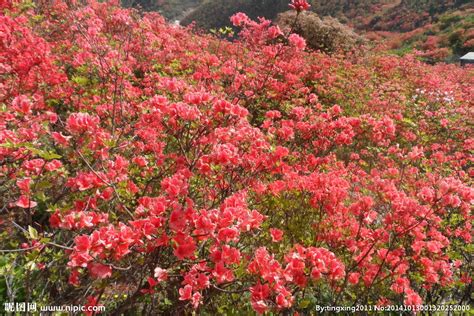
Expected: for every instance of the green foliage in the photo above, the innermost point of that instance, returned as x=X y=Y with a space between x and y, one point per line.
x=215 y=14
x=171 y=9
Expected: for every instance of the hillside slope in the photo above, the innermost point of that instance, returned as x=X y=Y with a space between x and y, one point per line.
x=383 y=15
x=411 y=14
x=447 y=38
x=216 y=13
x=442 y=29
x=153 y=170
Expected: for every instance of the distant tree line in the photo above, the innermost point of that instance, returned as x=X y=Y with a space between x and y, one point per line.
x=216 y=13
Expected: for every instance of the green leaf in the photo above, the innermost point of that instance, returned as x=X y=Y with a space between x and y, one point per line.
x=82 y=81
x=304 y=303
x=45 y=240
x=42 y=153
x=8 y=145
x=45 y=184
x=33 y=232
x=30 y=265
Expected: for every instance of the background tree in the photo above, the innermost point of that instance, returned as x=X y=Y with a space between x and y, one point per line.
x=327 y=34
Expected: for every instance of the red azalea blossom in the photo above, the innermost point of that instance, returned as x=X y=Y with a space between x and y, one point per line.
x=185 y=293
x=99 y=271
x=24 y=185
x=300 y=5
x=276 y=234
x=25 y=202
x=161 y=274
x=297 y=41
x=74 y=278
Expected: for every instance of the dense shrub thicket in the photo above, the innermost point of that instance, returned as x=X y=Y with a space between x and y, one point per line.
x=448 y=38
x=441 y=29
x=150 y=169
x=327 y=34
x=374 y=15
x=411 y=14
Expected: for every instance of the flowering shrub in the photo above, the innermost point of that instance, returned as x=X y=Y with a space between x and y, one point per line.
x=327 y=35
x=147 y=168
